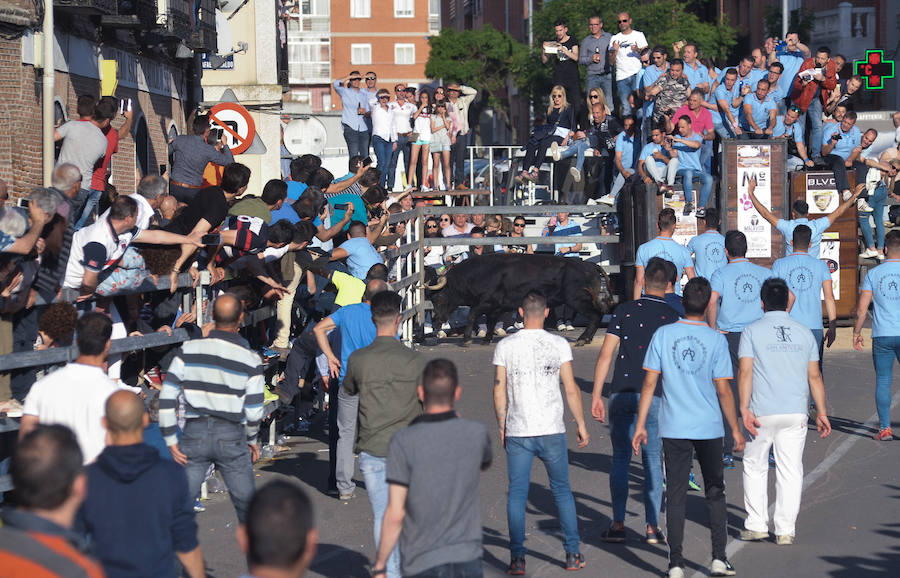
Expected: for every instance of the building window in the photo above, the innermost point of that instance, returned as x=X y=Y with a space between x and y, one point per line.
x=360 y=54
x=360 y=8
x=404 y=54
x=404 y=8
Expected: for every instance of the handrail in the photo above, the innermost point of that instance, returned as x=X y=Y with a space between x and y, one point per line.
x=451 y=241
x=535 y=210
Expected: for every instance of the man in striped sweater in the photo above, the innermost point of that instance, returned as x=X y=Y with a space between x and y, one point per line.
x=222 y=380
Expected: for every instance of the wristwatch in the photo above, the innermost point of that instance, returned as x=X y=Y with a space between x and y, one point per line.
x=379 y=572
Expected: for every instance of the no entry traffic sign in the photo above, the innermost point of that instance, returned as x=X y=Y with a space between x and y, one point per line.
x=237 y=124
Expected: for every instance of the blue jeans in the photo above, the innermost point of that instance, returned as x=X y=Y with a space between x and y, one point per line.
x=884 y=351
x=357 y=141
x=403 y=146
x=576 y=149
x=383 y=152
x=373 y=471
x=723 y=129
x=470 y=569
x=794 y=163
x=815 y=123
x=876 y=201
x=550 y=449
x=625 y=87
x=623 y=410
x=603 y=82
x=706 y=181
x=819 y=336
x=211 y=440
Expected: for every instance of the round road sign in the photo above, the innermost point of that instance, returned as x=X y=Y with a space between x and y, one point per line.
x=237 y=125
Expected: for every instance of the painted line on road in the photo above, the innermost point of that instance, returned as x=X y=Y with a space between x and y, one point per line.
x=812 y=477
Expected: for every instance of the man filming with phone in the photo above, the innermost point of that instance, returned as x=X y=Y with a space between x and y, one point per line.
x=190 y=155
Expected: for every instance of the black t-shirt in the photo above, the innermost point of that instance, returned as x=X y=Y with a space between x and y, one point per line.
x=566 y=70
x=208 y=203
x=603 y=135
x=634 y=323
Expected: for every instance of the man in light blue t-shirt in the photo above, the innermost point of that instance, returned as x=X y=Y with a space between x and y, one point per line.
x=779 y=368
x=838 y=142
x=882 y=286
x=735 y=304
x=807 y=277
x=687 y=144
x=358 y=251
x=664 y=247
x=357 y=330
x=799 y=212
x=695 y=367
x=708 y=247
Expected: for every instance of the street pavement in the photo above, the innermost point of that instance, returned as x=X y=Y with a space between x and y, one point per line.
x=848 y=525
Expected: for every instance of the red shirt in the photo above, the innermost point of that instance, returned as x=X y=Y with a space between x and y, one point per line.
x=699 y=122
x=98 y=179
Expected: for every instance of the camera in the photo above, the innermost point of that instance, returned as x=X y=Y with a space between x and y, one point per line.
x=215 y=135
x=341 y=206
x=376 y=212
x=836 y=137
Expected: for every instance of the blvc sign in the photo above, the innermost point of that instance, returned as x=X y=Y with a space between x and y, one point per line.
x=875 y=69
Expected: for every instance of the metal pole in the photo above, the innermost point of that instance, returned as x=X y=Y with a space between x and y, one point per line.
x=785 y=18
x=49 y=92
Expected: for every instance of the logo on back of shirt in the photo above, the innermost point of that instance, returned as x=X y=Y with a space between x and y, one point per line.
x=800 y=279
x=783 y=333
x=689 y=354
x=746 y=288
x=889 y=286
x=715 y=254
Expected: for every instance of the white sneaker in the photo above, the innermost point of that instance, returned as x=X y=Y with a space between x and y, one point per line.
x=863 y=207
x=846 y=195
x=500 y=332
x=607 y=200
x=784 y=540
x=869 y=254
x=442 y=334
x=721 y=568
x=569 y=326
x=519 y=325
x=676 y=572
x=554 y=151
x=576 y=174
x=753 y=536
x=12 y=408
x=879 y=256
x=481 y=332
x=560 y=326
x=425 y=189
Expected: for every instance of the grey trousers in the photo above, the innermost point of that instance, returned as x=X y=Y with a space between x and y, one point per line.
x=348 y=405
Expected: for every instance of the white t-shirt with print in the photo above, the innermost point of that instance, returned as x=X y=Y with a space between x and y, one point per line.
x=74 y=396
x=532 y=358
x=628 y=62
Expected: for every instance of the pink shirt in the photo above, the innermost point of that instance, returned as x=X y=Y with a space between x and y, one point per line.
x=699 y=122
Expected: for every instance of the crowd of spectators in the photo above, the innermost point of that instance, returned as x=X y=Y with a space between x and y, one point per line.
x=782 y=90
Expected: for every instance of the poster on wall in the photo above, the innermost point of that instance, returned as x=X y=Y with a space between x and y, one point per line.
x=755 y=161
x=686 y=226
x=821 y=193
x=830 y=252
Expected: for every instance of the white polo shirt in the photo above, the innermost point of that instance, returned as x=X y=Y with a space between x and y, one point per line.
x=96 y=248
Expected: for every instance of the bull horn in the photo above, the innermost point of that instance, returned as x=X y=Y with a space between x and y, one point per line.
x=438 y=285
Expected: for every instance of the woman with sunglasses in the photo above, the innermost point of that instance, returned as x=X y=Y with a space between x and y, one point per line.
x=597 y=96
x=422 y=144
x=384 y=134
x=560 y=122
x=519 y=231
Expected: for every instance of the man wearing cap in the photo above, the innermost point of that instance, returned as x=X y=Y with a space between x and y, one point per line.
x=355 y=104
x=460 y=97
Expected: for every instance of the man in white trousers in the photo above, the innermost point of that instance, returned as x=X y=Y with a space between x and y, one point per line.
x=778 y=370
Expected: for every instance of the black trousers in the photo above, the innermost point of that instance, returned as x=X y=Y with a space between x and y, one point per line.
x=678 y=458
x=836 y=164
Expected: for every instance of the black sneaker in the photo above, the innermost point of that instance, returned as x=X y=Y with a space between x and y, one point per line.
x=613 y=536
x=728 y=461
x=655 y=536
x=574 y=561
x=721 y=568
x=516 y=566
x=688 y=208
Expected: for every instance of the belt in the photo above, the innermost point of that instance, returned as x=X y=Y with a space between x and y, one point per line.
x=184 y=185
x=404 y=133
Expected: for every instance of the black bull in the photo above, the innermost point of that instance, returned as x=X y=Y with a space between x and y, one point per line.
x=494 y=284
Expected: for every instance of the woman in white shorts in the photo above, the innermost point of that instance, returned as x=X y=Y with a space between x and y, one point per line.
x=441 y=125
x=422 y=127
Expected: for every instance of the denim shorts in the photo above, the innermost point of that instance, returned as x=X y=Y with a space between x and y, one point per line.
x=440 y=141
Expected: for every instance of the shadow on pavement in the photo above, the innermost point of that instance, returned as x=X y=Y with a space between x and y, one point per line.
x=849 y=426
x=877 y=564
x=335 y=560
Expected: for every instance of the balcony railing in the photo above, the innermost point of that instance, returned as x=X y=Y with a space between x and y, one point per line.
x=314 y=24
x=93 y=7
x=309 y=72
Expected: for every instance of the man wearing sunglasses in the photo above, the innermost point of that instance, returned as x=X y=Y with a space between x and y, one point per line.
x=625 y=51
x=593 y=54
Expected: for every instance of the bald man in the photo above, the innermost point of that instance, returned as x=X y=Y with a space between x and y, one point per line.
x=138 y=513
x=224 y=407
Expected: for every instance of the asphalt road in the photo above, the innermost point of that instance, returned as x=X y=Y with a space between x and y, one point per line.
x=848 y=524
